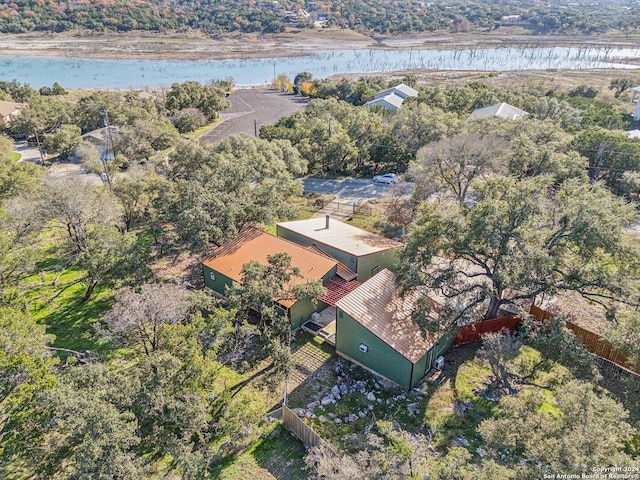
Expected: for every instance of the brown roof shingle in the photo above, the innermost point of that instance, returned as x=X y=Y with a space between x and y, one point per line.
x=378 y=306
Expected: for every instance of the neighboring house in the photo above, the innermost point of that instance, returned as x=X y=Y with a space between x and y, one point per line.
x=224 y=266
x=403 y=91
x=635 y=92
x=9 y=111
x=375 y=329
x=502 y=110
x=363 y=252
x=511 y=19
x=101 y=139
x=392 y=98
x=390 y=102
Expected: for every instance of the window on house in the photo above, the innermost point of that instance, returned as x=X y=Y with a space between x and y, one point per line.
x=340 y=313
x=364 y=348
x=375 y=269
x=212 y=275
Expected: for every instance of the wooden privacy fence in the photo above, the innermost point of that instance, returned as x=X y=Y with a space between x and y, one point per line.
x=473 y=333
x=601 y=348
x=592 y=342
x=301 y=430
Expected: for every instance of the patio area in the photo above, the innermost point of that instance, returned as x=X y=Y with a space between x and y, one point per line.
x=323 y=325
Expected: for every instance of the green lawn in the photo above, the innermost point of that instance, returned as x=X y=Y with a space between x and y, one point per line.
x=61 y=308
x=277 y=455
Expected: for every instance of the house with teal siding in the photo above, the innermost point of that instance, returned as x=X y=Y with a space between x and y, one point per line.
x=375 y=329
x=224 y=266
x=363 y=252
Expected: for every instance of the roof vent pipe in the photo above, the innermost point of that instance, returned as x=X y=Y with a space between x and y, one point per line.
x=326 y=221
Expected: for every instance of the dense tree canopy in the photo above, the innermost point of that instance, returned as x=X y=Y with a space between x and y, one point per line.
x=521 y=239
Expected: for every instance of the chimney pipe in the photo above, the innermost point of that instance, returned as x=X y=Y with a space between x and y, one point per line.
x=326 y=221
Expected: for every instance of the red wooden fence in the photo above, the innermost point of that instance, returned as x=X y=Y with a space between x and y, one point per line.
x=472 y=333
x=592 y=342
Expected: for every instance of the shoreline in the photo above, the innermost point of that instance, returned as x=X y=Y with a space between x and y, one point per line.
x=148 y=46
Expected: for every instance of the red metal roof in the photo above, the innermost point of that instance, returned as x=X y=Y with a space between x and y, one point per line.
x=255 y=245
x=337 y=288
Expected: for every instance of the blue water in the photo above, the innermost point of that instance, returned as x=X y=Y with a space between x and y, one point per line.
x=126 y=74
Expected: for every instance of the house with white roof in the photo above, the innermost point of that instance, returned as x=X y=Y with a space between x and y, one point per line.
x=502 y=110
x=392 y=98
x=363 y=252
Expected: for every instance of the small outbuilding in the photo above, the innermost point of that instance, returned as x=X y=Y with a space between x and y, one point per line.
x=363 y=252
x=375 y=329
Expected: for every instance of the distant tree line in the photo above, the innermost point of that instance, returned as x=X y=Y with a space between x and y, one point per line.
x=216 y=17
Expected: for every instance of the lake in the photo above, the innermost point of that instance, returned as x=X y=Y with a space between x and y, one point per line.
x=136 y=73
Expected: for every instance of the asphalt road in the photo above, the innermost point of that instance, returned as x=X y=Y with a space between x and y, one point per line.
x=352 y=189
x=252 y=108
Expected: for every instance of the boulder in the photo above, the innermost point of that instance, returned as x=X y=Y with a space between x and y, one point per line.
x=337 y=420
x=343 y=389
x=412 y=408
x=322 y=418
x=371 y=397
x=313 y=405
x=335 y=390
x=353 y=417
x=327 y=400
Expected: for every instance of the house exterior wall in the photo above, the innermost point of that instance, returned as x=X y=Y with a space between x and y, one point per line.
x=371 y=264
x=420 y=368
x=380 y=357
x=380 y=102
x=351 y=261
x=301 y=311
x=219 y=284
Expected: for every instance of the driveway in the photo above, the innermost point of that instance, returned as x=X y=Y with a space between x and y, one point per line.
x=252 y=108
x=355 y=190
x=27 y=152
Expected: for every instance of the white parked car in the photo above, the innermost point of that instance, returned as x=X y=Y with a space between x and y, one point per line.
x=386 y=178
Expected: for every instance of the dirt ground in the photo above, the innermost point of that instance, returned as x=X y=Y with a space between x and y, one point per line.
x=193 y=45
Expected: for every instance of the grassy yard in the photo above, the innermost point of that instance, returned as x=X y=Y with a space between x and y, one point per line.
x=277 y=455
x=54 y=298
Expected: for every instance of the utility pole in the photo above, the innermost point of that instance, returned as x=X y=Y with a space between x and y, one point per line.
x=107 y=148
x=35 y=130
x=255 y=127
